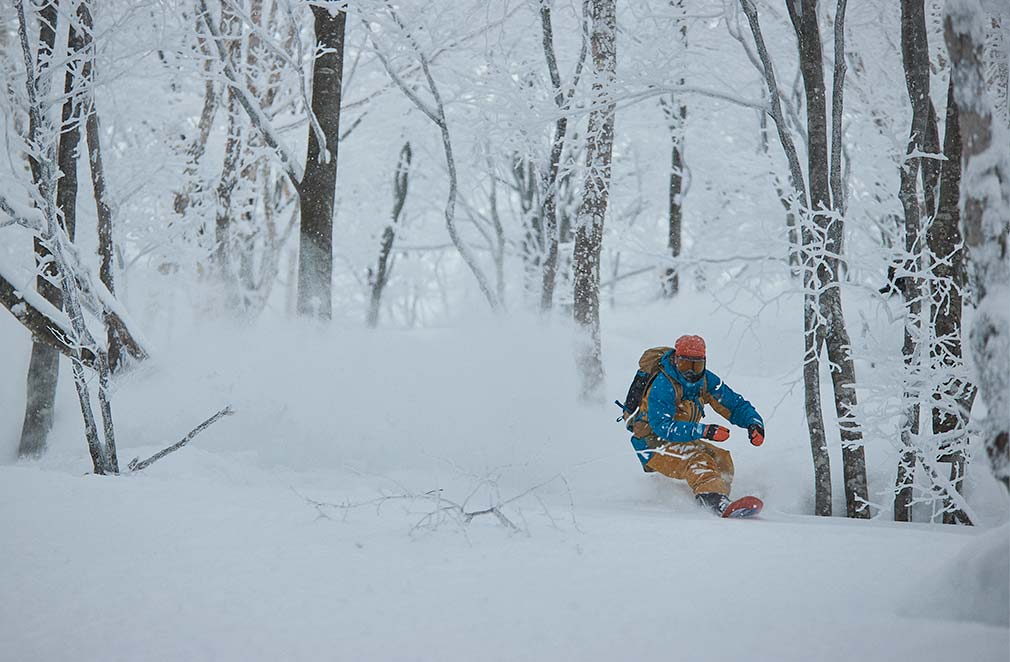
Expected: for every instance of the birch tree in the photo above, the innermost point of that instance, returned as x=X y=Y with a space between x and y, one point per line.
x=595 y=196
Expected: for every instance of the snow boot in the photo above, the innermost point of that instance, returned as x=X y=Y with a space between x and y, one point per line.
x=714 y=501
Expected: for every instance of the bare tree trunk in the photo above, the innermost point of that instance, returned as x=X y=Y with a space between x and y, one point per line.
x=380 y=276
x=106 y=247
x=595 y=196
x=198 y=145
x=318 y=185
x=437 y=115
x=911 y=291
x=915 y=58
x=43 y=367
x=103 y=452
x=945 y=241
x=676 y=116
x=825 y=254
x=985 y=217
x=549 y=193
x=224 y=212
x=527 y=185
x=812 y=281
x=115 y=330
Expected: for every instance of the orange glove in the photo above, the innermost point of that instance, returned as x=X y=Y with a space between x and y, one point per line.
x=756 y=434
x=715 y=433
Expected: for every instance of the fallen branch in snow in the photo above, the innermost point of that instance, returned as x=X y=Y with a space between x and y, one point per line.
x=447 y=509
x=135 y=465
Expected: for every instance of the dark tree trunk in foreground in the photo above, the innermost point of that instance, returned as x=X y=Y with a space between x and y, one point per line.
x=985 y=218
x=932 y=288
x=318 y=185
x=115 y=329
x=946 y=243
x=911 y=291
x=595 y=195
x=380 y=276
x=43 y=367
x=822 y=255
x=43 y=141
x=915 y=58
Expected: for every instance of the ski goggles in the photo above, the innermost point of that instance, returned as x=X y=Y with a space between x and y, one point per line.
x=689 y=366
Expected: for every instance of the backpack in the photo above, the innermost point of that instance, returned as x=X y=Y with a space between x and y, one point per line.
x=648 y=369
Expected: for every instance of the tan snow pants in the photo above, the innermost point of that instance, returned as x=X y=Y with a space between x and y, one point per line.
x=705 y=467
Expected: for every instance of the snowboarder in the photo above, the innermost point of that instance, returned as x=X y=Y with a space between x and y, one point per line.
x=663 y=410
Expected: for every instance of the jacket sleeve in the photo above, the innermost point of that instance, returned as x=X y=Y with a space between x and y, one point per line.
x=662 y=407
x=731 y=405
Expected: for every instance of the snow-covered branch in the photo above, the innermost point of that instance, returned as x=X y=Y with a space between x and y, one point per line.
x=249 y=103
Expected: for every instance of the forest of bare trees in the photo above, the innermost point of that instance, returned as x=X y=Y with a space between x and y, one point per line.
x=537 y=157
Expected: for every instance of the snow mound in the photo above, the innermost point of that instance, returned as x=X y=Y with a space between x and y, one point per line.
x=974 y=586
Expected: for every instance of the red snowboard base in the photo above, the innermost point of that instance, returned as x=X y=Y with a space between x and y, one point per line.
x=747 y=506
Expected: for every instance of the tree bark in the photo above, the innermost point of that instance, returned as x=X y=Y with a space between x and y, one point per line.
x=911 y=291
x=946 y=243
x=44 y=364
x=549 y=185
x=39 y=322
x=985 y=218
x=380 y=276
x=825 y=255
x=812 y=281
x=915 y=58
x=595 y=196
x=676 y=117
x=115 y=329
x=43 y=142
x=318 y=185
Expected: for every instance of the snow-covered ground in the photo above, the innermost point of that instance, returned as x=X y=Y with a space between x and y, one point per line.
x=319 y=522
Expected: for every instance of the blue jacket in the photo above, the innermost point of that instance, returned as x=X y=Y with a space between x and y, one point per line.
x=674 y=407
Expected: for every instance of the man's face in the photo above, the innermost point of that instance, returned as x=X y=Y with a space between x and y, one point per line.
x=692 y=367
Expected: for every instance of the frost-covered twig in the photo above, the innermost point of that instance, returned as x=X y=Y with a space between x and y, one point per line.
x=262 y=123
x=443 y=508
x=137 y=465
x=436 y=114
x=42 y=141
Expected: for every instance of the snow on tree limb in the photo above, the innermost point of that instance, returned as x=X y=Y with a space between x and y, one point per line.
x=436 y=114
x=291 y=165
x=46 y=323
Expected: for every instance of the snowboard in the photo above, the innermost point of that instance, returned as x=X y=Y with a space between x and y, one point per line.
x=747 y=506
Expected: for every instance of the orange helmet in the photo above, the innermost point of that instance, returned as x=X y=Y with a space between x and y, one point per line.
x=690 y=357
x=690 y=347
